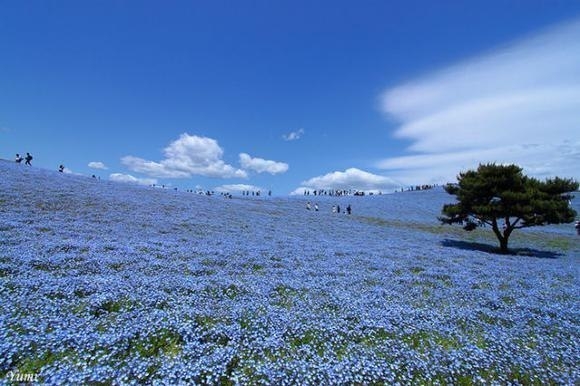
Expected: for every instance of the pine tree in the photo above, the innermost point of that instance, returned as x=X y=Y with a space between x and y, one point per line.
x=504 y=198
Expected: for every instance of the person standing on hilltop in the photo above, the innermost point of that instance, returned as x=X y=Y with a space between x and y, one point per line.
x=18 y=158
x=28 y=158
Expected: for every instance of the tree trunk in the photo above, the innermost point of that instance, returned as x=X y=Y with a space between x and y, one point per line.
x=502 y=237
x=503 y=245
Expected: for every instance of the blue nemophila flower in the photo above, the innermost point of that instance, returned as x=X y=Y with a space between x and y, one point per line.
x=130 y=285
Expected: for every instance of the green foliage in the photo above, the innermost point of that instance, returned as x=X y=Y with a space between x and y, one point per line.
x=493 y=194
x=164 y=341
x=35 y=363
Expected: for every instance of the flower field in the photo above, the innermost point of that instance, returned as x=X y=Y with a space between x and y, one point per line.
x=119 y=284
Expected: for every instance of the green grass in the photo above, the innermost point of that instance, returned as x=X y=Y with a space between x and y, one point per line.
x=33 y=364
x=285 y=296
x=163 y=342
x=484 y=234
x=5 y=272
x=416 y=270
x=117 y=266
x=231 y=291
x=423 y=340
x=559 y=243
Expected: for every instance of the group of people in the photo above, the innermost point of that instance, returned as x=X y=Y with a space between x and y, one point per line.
x=335 y=208
x=418 y=187
x=254 y=193
x=335 y=192
x=309 y=206
x=26 y=159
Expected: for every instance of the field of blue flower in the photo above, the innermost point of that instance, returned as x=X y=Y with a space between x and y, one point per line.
x=118 y=284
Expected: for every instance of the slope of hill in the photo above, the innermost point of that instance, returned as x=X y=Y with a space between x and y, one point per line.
x=101 y=281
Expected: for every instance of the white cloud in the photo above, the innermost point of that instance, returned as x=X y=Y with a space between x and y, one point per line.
x=189 y=155
x=97 y=165
x=236 y=188
x=293 y=136
x=300 y=191
x=519 y=104
x=261 y=165
x=538 y=160
x=119 y=177
x=351 y=178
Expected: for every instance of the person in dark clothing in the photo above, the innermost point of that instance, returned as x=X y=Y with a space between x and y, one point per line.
x=577 y=226
x=348 y=209
x=61 y=168
x=18 y=158
x=28 y=158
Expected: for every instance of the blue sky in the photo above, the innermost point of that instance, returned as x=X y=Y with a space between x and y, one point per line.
x=286 y=95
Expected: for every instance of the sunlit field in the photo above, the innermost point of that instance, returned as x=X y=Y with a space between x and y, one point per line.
x=117 y=283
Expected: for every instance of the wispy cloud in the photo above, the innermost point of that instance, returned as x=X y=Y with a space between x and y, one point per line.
x=97 y=165
x=293 y=136
x=351 y=178
x=187 y=156
x=518 y=104
x=261 y=165
x=119 y=177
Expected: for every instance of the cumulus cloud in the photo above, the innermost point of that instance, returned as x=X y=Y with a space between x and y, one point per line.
x=187 y=156
x=261 y=165
x=236 y=188
x=352 y=178
x=518 y=104
x=119 y=177
x=293 y=136
x=300 y=191
x=97 y=165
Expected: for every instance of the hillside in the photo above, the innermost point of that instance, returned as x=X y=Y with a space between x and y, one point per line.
x=102 y=281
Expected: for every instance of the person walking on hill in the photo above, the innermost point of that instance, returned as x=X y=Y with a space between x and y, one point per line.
x=28 y=158
x=18 y=158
